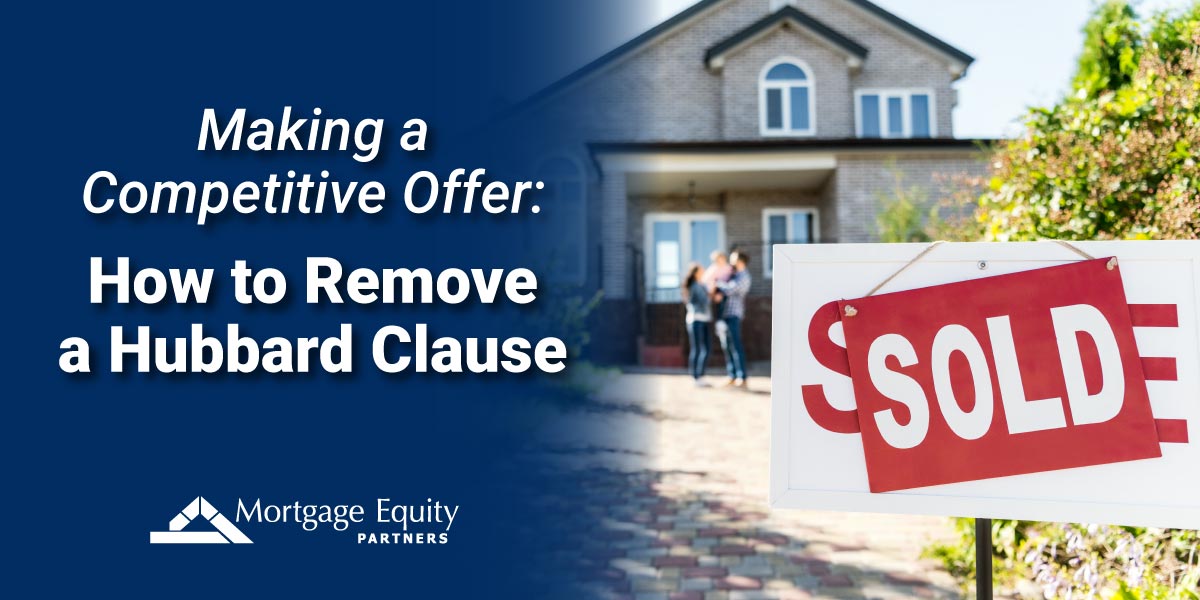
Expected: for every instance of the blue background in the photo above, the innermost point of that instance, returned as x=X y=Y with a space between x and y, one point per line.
x=94 y=463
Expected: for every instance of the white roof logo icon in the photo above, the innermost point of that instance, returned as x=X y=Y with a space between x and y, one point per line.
x=226 y=532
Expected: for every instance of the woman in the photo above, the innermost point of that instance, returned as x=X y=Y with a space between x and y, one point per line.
x=699 y=314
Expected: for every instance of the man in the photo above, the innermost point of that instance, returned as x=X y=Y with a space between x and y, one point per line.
x=729 y=328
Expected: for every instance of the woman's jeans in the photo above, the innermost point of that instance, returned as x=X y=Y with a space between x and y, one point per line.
x=700 y=342
x=731 y=343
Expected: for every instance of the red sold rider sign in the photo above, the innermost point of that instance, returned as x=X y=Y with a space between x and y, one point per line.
x=1006 y=375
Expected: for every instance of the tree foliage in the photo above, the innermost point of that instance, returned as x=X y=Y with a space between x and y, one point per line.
x=1111 y=45
x=1117 y=159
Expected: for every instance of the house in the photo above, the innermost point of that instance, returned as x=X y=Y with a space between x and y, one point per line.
x=739 y=123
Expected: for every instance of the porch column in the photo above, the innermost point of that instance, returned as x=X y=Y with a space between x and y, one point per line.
x=614 y=235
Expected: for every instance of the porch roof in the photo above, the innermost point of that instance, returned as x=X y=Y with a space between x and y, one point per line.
x=711 y=166
x=809 y=144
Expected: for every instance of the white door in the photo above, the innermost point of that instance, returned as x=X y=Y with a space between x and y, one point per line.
x=674 y=241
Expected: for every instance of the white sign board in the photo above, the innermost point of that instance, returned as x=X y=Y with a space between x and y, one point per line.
x=815 y=466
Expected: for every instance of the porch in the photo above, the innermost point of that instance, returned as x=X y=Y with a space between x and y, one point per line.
x=682 y=206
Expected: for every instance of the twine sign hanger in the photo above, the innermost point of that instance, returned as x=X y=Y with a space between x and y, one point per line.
x=850 y=311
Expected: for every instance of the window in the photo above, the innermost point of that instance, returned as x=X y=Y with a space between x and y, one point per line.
x=786 y=99
x=788 y=226
x=565 y=204
x=673 y=241
x=895 y=113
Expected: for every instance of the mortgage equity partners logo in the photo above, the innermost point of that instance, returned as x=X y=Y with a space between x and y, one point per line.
x=386 y=523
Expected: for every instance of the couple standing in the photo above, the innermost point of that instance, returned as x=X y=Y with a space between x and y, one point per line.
x=717 y=293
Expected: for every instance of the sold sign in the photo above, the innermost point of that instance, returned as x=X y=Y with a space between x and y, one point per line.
x=993 y=380
x=1014 y=374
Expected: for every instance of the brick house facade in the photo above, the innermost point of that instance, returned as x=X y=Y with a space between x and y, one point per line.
x=739 y=123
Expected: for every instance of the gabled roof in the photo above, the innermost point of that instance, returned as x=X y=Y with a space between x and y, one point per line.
x=703 y=6
x=915 y=31
x=715 y=55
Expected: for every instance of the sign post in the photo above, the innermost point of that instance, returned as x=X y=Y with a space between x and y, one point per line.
x=983 y=559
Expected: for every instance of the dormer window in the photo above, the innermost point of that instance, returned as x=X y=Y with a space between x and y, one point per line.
x=894 y=114
x=785 y=99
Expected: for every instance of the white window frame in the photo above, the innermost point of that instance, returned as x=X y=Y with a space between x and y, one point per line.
x=685 y=242
x=905 y=95
x=785 y=86
x=786 y=211
x=578 y=274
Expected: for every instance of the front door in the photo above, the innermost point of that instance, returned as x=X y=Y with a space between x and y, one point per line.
x=674 y=241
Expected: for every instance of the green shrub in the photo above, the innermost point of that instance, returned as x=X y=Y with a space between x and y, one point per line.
x=906 y=213
x=1074 y=561
x=901 y=217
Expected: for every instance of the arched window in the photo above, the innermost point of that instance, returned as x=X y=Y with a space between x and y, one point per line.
x=786 y=98
x=565 y=205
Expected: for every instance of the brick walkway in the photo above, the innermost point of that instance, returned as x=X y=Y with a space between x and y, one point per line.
x=672 y=480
